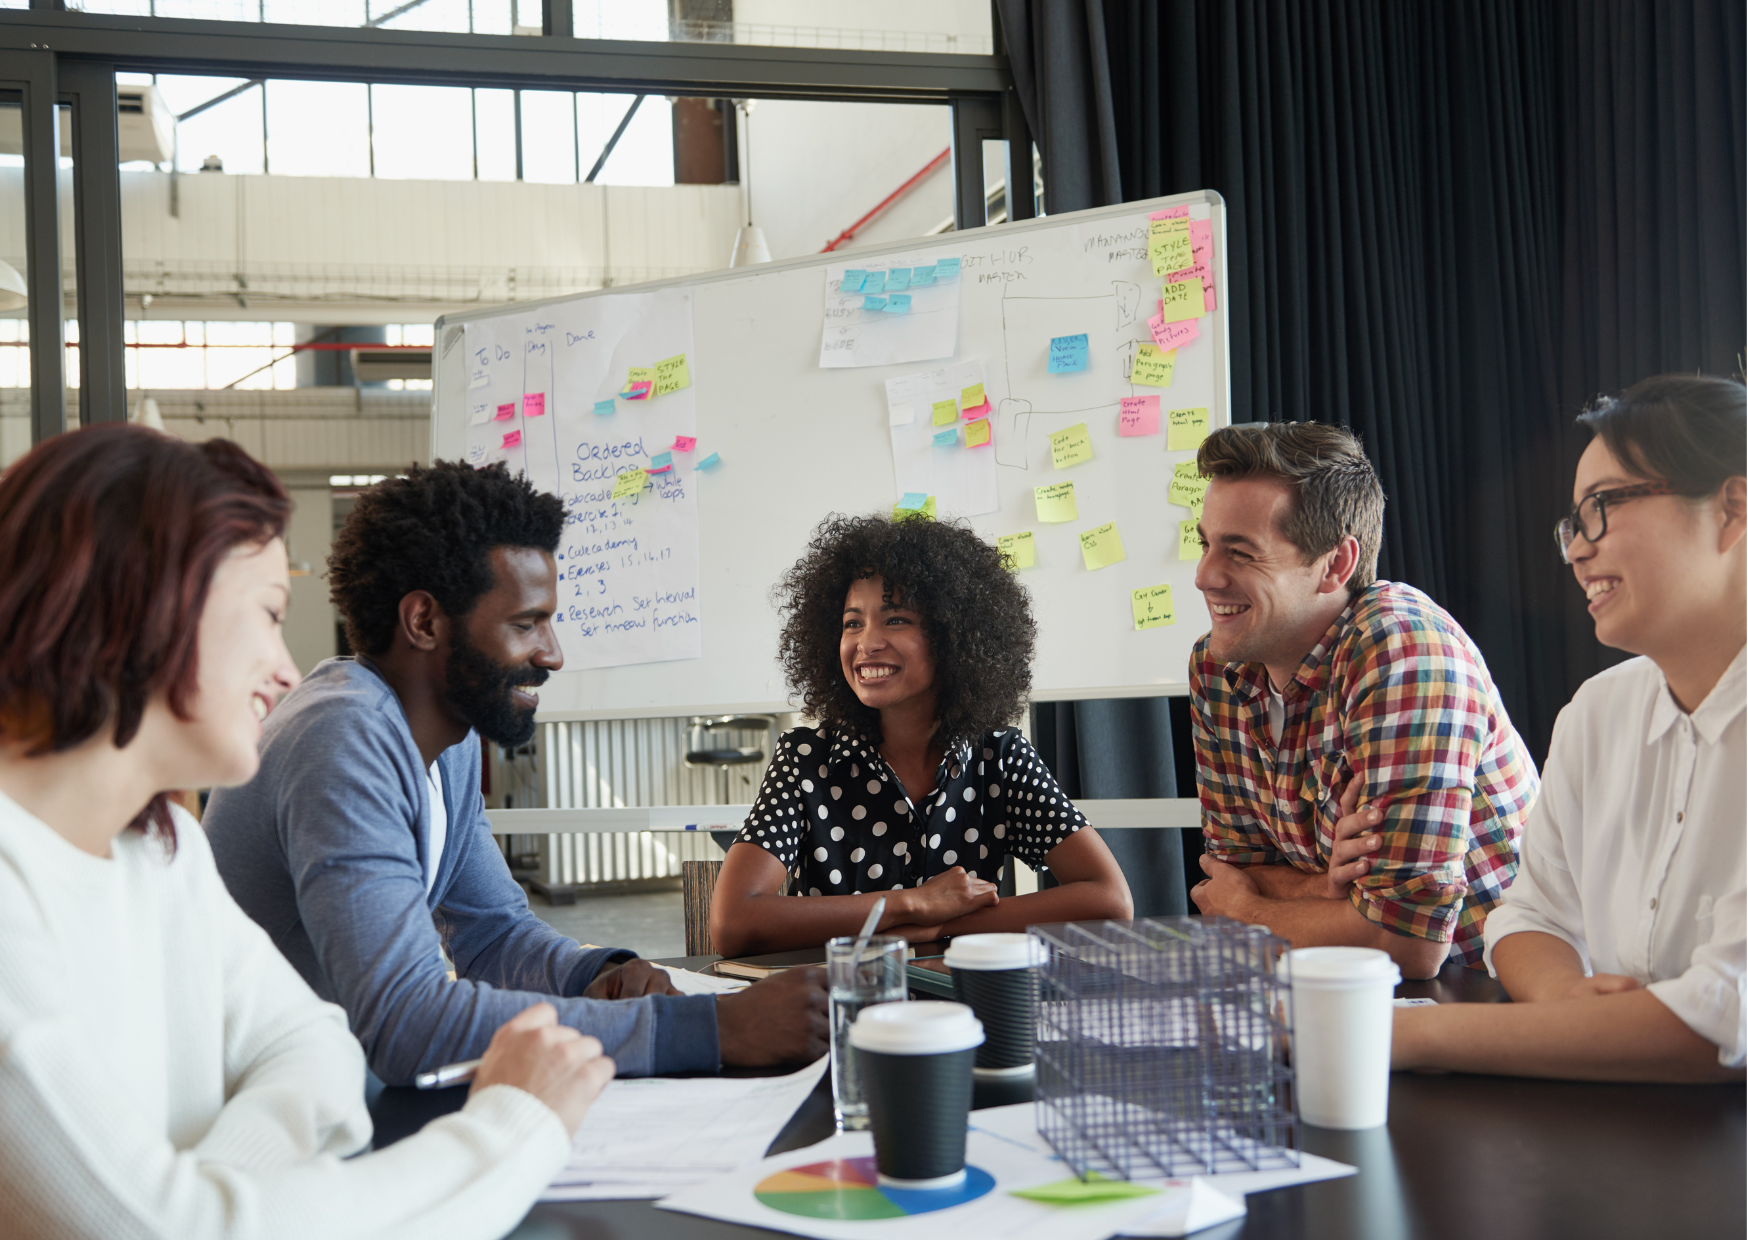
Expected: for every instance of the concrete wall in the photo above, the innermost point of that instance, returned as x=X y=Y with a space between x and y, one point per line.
x=309 y=625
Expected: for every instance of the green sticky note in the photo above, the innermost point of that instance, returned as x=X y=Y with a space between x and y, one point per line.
x=1056 y=502
x=629 y=483
x=1018 y=549
x=977 y=433
x=671 y=375
x=1096 y=1188
x=1187 y=428
x=1189 y=540
x=1101 y=546
x=946 y=413
x=972 y=396
x=1152 y=607
x=1071 y=447
x=1188 y=487
x=1153 y=366
x=904 y=514
x=1182 y=300
x=1170 y=251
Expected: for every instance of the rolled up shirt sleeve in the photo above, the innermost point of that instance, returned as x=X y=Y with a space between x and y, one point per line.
x=1709 y=997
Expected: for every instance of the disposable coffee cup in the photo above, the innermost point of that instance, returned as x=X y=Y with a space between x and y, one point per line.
x=915 y=1061
x=1342 y=1015
x=996 y=975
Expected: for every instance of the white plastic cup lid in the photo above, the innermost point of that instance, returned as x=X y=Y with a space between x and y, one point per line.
x=920 y=1027
x=992 y=952
x=1332 y=967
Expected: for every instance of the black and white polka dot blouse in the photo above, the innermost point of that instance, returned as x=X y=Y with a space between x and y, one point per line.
x=833 y=813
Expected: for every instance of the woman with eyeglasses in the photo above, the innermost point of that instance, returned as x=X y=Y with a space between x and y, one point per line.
x=164 y=1071
x=1621 y=941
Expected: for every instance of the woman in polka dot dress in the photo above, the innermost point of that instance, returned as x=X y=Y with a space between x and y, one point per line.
x=911 y=643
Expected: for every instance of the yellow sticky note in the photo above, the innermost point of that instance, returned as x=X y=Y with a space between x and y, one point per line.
x=1153 y=366
x=1182 y=300
x=1189 y=540
x=977 y=433
x=927 y=510
x=1188 y=487
x=629 y=483
x=1102 y=546
x=1056 y=502
x=1152 y=607
x=1071 y=447
x=972 y=396
x=1018 y=549
x=1170 y=251
x=639 y=374
x=671 y=375
x=1187 y=429
x=946 y=413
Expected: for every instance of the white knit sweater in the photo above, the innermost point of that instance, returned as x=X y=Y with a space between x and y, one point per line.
x=165 y=1073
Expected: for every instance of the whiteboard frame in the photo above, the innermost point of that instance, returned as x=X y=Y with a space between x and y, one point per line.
x=449 y=336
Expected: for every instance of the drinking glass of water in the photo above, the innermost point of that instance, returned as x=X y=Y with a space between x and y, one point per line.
x=876 y=975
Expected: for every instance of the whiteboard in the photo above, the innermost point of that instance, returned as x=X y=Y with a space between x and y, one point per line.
x=797 y=441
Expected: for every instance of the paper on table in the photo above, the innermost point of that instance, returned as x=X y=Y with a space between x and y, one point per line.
x=1138 y=415
x=924 y=328
x=1101 y=546
x=1056 y=502
x=650 y=1136
x=1153 y=368
x=1188 y=427
x=1019 y=549
x=1014 y=1156
x=690 y=983
x=1072 y=446
x=916 y=406
x=1151 y=606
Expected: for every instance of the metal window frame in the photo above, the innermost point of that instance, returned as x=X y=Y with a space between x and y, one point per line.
x=73 y=57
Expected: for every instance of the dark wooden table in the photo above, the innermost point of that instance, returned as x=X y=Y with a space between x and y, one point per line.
x=1463 y=1158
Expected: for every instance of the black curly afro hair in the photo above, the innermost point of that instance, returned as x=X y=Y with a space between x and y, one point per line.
x=432 y=530
x=977 y=618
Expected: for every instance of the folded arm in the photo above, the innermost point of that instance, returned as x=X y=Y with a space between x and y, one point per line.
x=1091 y=887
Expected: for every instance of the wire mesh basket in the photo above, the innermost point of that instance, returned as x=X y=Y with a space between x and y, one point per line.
x=1161 y=1048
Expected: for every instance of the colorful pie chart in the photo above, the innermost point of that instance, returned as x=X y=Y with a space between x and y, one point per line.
x=850 y=1189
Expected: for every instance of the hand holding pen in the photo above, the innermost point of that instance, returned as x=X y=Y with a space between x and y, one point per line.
x=563 y=1068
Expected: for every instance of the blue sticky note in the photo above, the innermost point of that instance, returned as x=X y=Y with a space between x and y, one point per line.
x=897 y=278
x=852 y=281
x=604 y=407
x=875 y=283
x=661 y=460
x=1067 y=353
x=709 y=461
x=947 y=268
x=947 y=438
x=873 y=303
x=922 y=275
x=898 y=303
x=913 y=500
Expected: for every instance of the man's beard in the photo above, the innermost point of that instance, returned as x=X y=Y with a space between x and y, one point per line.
x=479 y=689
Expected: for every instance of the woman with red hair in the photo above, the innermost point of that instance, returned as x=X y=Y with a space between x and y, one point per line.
x=163 y=1070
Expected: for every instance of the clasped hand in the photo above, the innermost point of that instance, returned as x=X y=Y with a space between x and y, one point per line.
x=948 y=896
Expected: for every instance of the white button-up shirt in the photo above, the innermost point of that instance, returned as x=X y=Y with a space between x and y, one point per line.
x=1634 y=852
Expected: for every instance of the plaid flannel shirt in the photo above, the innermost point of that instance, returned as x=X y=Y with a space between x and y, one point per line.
x=1396 y=695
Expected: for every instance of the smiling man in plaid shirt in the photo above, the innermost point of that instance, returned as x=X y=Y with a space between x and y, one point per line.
x=1360 y=781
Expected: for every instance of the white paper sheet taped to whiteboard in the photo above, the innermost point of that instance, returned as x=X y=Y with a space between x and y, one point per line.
x=865 y=326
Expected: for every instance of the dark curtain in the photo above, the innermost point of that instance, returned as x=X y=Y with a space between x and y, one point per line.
x=1056 y=50
x=1119 y=749
x=1450 y=225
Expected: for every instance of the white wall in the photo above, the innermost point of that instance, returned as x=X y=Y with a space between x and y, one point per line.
x=309 y=624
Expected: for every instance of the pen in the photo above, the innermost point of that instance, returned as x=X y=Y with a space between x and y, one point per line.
x=448 y=1074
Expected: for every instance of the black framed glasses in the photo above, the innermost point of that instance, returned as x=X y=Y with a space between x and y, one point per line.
x=1590 y=518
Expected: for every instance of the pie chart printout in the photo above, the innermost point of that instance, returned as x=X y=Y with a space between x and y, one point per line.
x=850 y=1188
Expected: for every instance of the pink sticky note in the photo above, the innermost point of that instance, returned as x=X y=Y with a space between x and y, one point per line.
x=664 y=469
x=533 y=404
x=974 y=412
x=1207 y=278
x=512 y=438
x=1171 y=335
x=1138 y=415
x=505 y=412
x=1202 y=241
x=684 y=443
x=638 y=391
x=1173 y=213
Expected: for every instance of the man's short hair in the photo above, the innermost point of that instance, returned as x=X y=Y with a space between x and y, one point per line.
x=432 y=530
x=1335 y=490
